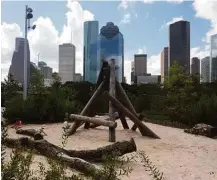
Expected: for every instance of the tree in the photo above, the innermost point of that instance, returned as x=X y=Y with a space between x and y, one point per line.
x=10 y=88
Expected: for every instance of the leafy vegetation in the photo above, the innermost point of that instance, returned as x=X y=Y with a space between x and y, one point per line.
x=183 y=101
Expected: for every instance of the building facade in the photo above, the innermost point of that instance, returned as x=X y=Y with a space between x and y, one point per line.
x=91 y=31
x=132 y=72
x=78 y=77
x=164 y=63
x=148 y=79
x=17 y=63
x=213 y=58
x=179 y=44
x=195 y=65
x=110 y=45
x=140 y=64
x=47 y=72
x=205 y=70
x=67 y=62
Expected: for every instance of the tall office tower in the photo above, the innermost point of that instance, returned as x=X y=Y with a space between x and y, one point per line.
x=179 y=44
x=132 y=72
x=164 y=64
x=140 y=64
x=205 y=69
x=17 y=63
x=213 y=58
x=91 y=31
x=195 y=65
x=110 y=45
x=47 y=72
x=67 y=62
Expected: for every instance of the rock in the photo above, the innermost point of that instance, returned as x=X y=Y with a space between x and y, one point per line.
x=203 y=130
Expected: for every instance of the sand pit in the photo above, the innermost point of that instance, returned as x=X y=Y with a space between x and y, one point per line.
x=179 y=155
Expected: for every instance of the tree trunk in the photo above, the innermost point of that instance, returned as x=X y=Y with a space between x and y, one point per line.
x=143 y=128
x=126 y=102
x=30 y=132
x=123 y=121
x=94 y=155
x=112 y=136
x=54 y=152
x=77 y=124
x=93 y=120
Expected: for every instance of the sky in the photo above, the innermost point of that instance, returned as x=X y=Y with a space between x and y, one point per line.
x=144 y=25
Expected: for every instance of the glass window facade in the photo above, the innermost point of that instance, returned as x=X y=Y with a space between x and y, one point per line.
x=110 y=45
x=90 y=51
x=213 y=58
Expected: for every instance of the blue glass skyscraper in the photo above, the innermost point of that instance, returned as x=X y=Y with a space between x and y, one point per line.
x=91 y=30
x=213 y=58
x=111 y=46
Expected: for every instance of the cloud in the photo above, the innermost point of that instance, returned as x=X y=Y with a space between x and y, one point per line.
x=207 y=10
x=153 y=64
x=166 y=24
x=45 y=38
x=142 y=50
x=197 y=52
x=126 y=19
x=8 y=34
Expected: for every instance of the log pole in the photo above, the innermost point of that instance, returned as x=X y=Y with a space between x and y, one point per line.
x=127 y=103
x=77 y=124
x=76 y=117
x=142 y=127
x=123 y=121
x=112 y=135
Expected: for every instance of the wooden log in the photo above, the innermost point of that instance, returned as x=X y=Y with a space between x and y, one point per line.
x=112 y=136
x=123 y=121
x=54 y=152
x=77 y=124
x=93 y=120
x=127 y=103
x=30 y=132
x=143 y=128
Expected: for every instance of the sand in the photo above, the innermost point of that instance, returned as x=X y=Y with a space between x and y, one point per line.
x=179 y=155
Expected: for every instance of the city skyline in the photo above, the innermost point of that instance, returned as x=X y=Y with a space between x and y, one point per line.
x=51 y=31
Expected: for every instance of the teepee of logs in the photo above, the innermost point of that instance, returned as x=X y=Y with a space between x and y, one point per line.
x=110 y=88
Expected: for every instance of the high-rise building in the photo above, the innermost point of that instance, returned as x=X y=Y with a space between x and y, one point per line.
x=17 y=64
x=67 y=62
x=47 y=72
x=91 y=31
x=132 y=72
x=110 y=45
x=41 y=64
x=140 y=64
x=179 y=44
x=78 y=77
x=205 y=69
x=213 y=58
x=164 y=64
x=195 y=65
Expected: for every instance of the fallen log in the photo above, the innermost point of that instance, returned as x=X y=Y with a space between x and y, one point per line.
x=94 y=155
x=30 y=132
x=93 y=120
x=54 y=152
x=145 y=131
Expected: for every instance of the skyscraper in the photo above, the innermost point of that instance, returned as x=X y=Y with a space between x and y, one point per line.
x=140 y=64
x=164 y=64
x=205 y=70
x=213 y=58
x=91 y=29
x=179 y=44
x=195 y=65
x=110 y=45
x=132 y=72
x=47 y=72
x=17 y=63
x=67 y=62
